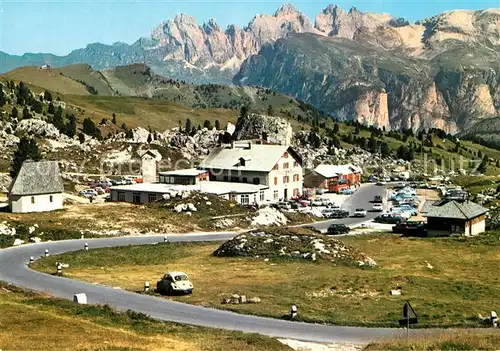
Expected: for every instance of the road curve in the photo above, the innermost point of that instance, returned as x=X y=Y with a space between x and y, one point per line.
x=14 y=269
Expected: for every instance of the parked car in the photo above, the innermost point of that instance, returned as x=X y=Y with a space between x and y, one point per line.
x=317 y=202
x=377 y=208
x=381 y=183
x=88 y=193
x=360 y=212
x=388 y=219
x=99 y=190
x=312 y=229
x=336 y=229
x=377 y=199
x=297 y=205
x=338 y=214
x=284 y=205
x=346 y=191
x=174 y=283
x=335 y=207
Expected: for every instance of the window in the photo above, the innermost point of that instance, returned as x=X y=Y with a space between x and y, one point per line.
x=172 y=180
x=51 y=199
x=161 y=179
x=261 y=195
x=286 y=179
x=295 y=192
x=121 y=196
x=276 y=167
x=275 y=195
x=286 y=165
x=245 y=199
x=235 y=179
x=233 y=197
x=136 y=198
x=296 y=177
x=226 y=178
x=151 y=197
x=256 y=181
x=295 y=164
x=32 y=199
x=244 y=180
x=275 y=180
x=285 y=155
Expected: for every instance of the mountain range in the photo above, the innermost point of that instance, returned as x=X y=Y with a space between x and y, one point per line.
x=440 y=72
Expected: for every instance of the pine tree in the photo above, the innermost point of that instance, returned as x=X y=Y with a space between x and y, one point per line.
x=113 y=120
x=270 y=111
x=26 y=150
x=81 y=138
x=188 y=126
x=58 y=120
x=37 y=106
x=385 y=150
x=207 y=124
x=484 y=165
x=14 y=113
x=150 y=138
x=244 y=111
x=47 y=96
x=3 y=99
x=51 y=109
x=124 y=126
x=71 y=126
x=336 y=128
x=217 y=124
x=26 y=113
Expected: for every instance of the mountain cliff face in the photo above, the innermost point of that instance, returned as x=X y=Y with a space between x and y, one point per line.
x=438 y=72
x=356 y=80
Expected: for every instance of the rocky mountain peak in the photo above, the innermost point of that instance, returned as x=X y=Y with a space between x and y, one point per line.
x=286 y=9
x=331 y=9
x=211 y=26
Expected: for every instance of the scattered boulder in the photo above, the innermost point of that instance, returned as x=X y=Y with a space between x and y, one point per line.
x=18 y=242
x=269 y=216
x=278 y=243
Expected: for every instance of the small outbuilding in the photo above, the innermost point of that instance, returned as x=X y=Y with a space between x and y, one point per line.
x=37 y=188
x=453 y=217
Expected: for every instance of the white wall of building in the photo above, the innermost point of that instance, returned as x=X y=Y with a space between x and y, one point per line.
x=476 y=228
x=36 y=203
x=148 y=167
x=283 y=188
x=276 y=192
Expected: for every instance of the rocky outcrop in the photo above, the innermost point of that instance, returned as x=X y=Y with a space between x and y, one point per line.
x=272 y=129
x=333 y=21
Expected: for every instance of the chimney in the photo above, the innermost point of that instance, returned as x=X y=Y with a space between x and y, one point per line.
x=249 y=145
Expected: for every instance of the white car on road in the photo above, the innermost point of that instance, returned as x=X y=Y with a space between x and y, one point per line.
x=378 y=208
x=360 y=212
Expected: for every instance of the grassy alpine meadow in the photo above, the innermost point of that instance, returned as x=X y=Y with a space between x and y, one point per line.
x=53 y=324
x=449 y=281
x=457 y=340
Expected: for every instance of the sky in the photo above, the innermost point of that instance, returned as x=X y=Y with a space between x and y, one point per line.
x=59 y=26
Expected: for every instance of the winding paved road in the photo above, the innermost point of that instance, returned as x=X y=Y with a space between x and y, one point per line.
x=14 y=270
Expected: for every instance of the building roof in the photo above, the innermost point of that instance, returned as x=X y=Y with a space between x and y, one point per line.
x=256 y=157
x=155 y=187
x=154 y=153
x=192 y=172
x=36 y=178
x=221 y=188
x=456 y=210
x=330 y=171
x=216 y=188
